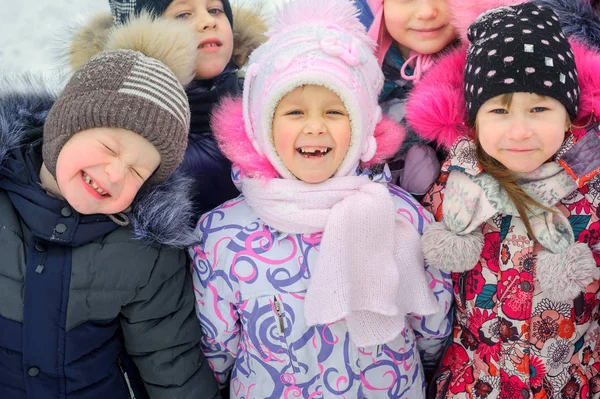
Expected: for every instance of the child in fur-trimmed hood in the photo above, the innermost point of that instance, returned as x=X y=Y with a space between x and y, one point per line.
x=225 y=38
x=516 y=206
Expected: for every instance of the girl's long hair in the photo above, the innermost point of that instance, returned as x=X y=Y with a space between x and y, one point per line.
x=508 y=180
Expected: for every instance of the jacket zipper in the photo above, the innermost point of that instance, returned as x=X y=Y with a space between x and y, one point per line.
x=279 y=314
x=462 y=288
x=126 y=378
x=281 y=323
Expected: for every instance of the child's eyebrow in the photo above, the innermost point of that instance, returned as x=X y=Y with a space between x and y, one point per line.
x=495 y=101
x=177 y=2
x=539 y=97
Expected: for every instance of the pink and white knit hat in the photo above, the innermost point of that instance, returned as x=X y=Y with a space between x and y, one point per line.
x=322 y=43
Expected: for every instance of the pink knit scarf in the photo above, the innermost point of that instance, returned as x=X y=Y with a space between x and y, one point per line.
x=370 y=268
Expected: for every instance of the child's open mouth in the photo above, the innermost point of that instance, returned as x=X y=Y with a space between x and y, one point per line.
x=211 y=44
x=93 y=185
x=313 y=152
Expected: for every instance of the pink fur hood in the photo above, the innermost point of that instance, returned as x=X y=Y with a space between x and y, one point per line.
x=436 y=111
x=228 y=126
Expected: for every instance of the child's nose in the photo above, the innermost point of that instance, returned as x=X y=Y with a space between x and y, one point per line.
x=115 y=171
x=427 y=9
x=519 y=129
x=205 y=21
x=314 y=126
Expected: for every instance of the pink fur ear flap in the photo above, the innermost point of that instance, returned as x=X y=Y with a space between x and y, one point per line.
x=588 y=76
x=389 y=136
x=227 y=123
x=436 y=107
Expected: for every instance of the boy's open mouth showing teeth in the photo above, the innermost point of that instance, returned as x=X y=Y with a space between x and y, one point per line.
x=93 y=184
x=313 y=152
x=210 y=43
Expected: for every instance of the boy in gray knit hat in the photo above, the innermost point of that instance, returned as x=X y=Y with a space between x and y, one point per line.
x=96 y=298
x=121 y=122
x=220 y=52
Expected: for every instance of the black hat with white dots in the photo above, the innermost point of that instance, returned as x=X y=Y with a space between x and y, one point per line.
x=519 y=48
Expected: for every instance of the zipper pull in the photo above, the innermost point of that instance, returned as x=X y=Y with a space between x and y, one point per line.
x=279 y=314
x=378 y=351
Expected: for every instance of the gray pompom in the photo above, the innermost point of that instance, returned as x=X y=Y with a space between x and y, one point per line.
x=451 y=252
x=563 y=276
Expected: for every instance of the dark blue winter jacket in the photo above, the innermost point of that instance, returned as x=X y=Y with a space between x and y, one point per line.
x=90 y=309
x=203 y=159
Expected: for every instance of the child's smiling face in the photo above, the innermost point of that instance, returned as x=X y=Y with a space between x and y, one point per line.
x=420 y=25
x=311 y=132
x=101 y=170
x=214 y=33
x=524 y=132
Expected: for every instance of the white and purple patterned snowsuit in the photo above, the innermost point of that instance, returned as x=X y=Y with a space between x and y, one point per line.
x=250 y=281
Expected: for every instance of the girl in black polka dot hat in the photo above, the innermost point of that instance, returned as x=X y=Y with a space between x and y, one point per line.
x=517 y=206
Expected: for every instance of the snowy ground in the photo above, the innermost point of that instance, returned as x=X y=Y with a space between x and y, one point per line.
x=33 y=33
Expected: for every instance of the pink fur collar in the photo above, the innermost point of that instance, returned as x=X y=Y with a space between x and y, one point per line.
x=228 y=126
x=436 y=109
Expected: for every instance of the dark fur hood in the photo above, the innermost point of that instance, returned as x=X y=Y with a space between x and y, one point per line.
x=577 y=18
x=160 y=214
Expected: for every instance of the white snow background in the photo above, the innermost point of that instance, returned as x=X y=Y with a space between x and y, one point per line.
x=34 y=33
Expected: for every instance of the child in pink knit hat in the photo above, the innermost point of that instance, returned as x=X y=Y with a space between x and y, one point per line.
x=312 y=283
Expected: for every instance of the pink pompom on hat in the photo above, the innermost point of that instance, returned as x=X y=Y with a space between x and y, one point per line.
x=315 y=42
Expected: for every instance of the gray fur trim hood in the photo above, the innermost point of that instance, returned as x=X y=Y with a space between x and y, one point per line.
x=159 y=214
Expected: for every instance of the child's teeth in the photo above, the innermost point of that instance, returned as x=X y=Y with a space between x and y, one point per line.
x=93 y=184
x=322 y=150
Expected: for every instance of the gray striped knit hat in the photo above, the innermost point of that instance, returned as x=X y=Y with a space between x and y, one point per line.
x=122 y=89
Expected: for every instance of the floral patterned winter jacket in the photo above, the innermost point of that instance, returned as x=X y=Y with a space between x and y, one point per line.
x=510 y=340
x=250 y=281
